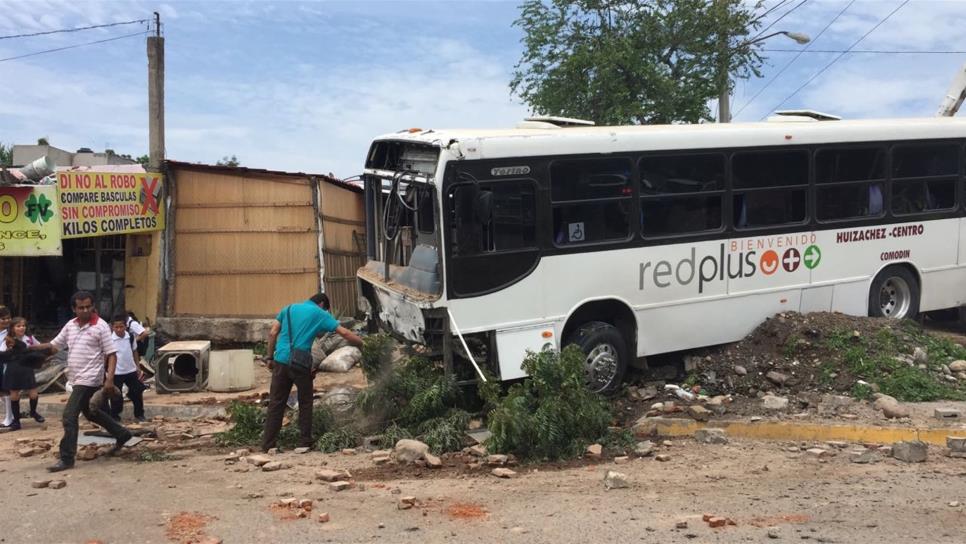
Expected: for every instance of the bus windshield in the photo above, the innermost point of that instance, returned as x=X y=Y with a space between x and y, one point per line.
x=402 y=237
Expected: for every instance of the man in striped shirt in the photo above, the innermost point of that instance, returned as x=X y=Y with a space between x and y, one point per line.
x=91 y=361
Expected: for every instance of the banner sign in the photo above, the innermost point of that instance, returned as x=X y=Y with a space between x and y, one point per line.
x=29 y=221
x=101 y=204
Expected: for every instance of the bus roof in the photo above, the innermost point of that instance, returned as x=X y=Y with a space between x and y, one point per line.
x=499 y=143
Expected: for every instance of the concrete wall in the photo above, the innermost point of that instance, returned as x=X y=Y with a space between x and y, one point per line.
x=99 y=159
x=26 y=154
x=220 y=330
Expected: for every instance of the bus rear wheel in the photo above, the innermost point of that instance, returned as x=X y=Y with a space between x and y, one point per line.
x=894 y=294
x=605 y=355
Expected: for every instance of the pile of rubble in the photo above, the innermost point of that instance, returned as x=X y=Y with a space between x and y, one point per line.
x=813 y=364
x=810 y=353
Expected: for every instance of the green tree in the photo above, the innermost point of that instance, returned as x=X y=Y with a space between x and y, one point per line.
x=143 y=160
x=6 y=155
x=632 y=61
x=229 y=161
x=43 y=141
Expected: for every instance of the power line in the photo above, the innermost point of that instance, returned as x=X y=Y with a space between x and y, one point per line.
x=800 y=52
x=869 y=51
x=72 y=29
x=839 y=56
x=800 y=4
x=143 y=32
x=771 y=9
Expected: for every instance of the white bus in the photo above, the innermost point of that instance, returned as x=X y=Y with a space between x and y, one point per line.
x=640 y=240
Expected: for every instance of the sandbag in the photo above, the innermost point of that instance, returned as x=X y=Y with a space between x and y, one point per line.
x=324 y=345
x=341 y=360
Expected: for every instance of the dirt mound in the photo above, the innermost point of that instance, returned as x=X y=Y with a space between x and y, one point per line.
x=792 y=353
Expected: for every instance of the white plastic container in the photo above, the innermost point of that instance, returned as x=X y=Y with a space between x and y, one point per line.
x=231 y=370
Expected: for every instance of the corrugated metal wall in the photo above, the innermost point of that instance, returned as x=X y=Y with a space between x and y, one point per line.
x=244 y=245
x=344 y=246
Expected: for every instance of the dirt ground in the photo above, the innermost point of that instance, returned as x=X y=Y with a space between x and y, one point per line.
x=762 y=486
x=178 y=488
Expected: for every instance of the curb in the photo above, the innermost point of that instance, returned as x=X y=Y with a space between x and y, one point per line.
x=775 y=430
x=54 y=410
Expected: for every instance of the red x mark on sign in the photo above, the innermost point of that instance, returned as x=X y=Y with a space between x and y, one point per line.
x=147 y=195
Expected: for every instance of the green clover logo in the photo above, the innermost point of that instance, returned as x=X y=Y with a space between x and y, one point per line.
x=38 y=209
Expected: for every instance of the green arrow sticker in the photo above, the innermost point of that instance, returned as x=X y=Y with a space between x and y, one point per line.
x=813 y=256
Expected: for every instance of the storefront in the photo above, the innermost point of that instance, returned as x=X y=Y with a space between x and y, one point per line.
x=91 y=230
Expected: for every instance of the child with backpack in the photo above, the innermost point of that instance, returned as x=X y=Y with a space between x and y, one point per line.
x=126 y=372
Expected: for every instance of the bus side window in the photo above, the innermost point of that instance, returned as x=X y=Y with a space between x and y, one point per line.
x=591 y=200
x=849 y=182
x=682 y=193
x=924 y=178
x=770 y=187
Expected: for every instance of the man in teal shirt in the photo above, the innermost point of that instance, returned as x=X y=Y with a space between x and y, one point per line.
x=296 y=326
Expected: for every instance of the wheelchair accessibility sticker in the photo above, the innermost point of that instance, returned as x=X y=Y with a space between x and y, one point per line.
x=576 y=232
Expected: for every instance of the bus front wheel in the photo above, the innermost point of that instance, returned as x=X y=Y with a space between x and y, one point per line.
x=605 y=354
x=894 y=294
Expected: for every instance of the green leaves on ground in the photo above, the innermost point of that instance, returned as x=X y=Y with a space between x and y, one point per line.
x=877 y=359
x=376 y=354
x=412 y=392
x=338 y=440
x=249 y=423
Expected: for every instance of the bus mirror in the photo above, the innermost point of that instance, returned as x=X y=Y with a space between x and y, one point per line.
x=483 y=207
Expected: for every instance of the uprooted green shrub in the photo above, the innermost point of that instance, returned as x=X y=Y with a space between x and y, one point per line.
x=249 y=423
x=376 y=354
x=443 y=434
x=338 y=440
x=392 y=434
x=322 y=421
x=409 y=394
x=551 y=414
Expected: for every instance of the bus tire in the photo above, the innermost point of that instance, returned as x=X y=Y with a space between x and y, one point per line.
x=605 y=355
x=894 y=294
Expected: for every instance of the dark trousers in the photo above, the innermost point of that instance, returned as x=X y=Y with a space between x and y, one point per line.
x=283 y=378
x=135 y=392
x=79 y=403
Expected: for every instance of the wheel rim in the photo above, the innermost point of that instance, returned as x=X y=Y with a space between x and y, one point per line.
x=895 y=296
x=601 y=365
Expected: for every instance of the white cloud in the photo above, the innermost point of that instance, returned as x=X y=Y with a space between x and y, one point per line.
x=306 y=86
x=864 y=85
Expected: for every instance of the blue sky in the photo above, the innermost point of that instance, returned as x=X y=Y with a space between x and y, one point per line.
x=304 y=86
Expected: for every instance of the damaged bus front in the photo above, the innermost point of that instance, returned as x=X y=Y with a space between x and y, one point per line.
x=401 y=285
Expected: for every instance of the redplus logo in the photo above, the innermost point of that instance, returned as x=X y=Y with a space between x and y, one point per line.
x=791 y=259
x=769 y=262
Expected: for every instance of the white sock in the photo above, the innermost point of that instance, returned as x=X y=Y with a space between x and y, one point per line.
x=9 y=411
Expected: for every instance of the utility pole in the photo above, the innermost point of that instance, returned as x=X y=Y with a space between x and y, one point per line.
x=724 y=69
x=156 y=97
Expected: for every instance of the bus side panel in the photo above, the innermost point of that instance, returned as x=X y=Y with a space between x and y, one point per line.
x=852 y=258
x=710 y=322
x=513 y=345
x=519 y=304
x=667 y=285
